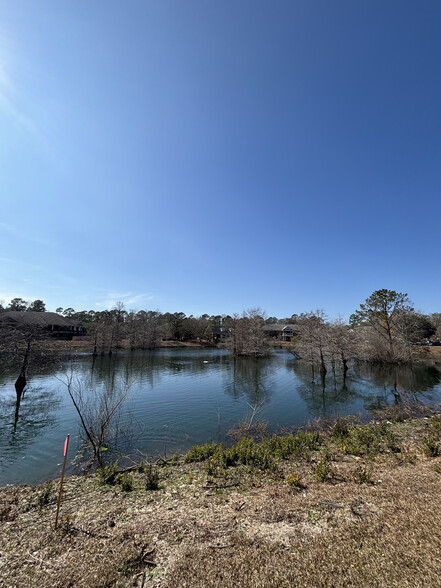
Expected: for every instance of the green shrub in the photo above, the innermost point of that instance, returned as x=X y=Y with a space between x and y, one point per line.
x=324 y=471
x=407 y=454
x=140 y=468
x=435 y=424
x=201 y=452
x=247 y=452
x=287 y=445
x=369 y=439
x=126 y=482
x=251 y=453
x=294 y=480
x=108 y=475
x=431 y=446
x=309 y=440
x=215 y=465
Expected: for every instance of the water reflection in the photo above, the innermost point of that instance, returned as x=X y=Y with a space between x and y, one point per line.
x=328 y=396
x=418 y=379
x=367 y=387
x=24 y=418
x=257 y=380
x=251 y=378
x=150 y=367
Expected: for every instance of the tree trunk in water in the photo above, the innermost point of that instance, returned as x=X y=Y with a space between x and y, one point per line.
x=323 y=370
x=20 y=384
x=21 y=380
x=17 y=411
x=333 y=368
x=344 y=367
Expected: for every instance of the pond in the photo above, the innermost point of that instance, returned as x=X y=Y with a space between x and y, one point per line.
x=179 y=397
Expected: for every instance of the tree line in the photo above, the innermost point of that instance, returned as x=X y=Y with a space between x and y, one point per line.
x=21 y=305
x=383 y=329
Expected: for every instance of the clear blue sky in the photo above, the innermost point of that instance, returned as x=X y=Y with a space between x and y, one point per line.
x=207 y=156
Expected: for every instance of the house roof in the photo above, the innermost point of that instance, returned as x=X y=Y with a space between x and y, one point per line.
x=37 y=319
x=279 y=327
x=217 y=330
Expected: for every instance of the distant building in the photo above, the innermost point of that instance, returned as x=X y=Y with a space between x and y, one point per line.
x=50 y=323
x=217 y=333
x=280 y=331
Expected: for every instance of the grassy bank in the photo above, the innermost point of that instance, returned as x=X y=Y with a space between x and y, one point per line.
x=341 y=506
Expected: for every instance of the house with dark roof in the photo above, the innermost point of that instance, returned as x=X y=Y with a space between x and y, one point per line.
x=217 y=333
x=48 y=323
x=280 y=331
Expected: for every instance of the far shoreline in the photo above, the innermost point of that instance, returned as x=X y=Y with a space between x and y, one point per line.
x=85 y=344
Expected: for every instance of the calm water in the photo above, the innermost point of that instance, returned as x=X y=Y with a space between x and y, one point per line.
x=181 y=397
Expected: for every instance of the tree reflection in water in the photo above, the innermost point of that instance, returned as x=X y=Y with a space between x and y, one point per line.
x=375 y=386
x=251 y=378
x=23 y=418
x=325 y=397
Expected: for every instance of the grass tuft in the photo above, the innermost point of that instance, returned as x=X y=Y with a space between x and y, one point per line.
x=247 y=452
x=362 y=474
x=151 y=477
x=46 y=495
x=340 y=431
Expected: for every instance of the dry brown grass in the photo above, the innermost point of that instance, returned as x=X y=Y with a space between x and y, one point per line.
x=248 y=528
x=385 y=534
x=426 y=353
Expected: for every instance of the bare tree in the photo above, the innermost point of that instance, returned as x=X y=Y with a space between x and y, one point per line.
x=98 y=411
x=246 y=336
x=414 y=328
x=119 y=315
x=342 y=345
x=435 y=319
x=150 y=326
x=17 y=337
x=313 y=340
